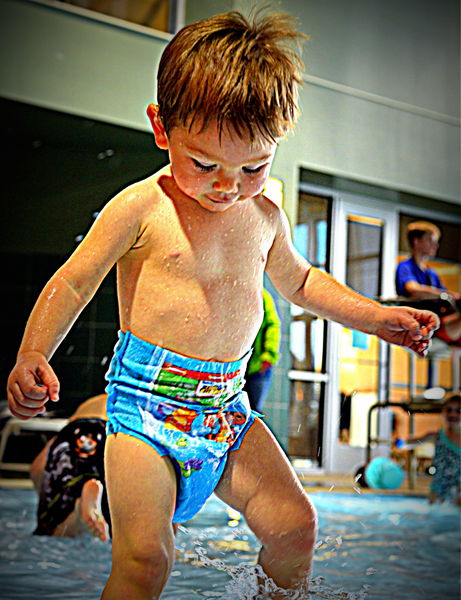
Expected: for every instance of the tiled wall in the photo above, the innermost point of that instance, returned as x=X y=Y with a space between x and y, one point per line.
x=82 y=359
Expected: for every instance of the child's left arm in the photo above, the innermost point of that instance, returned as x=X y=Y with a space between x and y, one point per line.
x=319 y=293
x=431 y=436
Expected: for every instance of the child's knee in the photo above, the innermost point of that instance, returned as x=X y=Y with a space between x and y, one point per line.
x=303 y=540
x=144 y=563
x=303 y=535
x=297 y=533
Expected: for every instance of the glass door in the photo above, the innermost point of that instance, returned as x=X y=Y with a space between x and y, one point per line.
x=364 y=259
x=308 y=339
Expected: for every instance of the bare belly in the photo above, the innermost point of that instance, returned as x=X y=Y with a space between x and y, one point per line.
x=210 y=331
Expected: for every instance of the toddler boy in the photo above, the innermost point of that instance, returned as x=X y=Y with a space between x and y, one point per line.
x=191 y=244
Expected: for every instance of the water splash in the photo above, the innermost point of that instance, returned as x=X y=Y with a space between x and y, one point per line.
x=249 y=582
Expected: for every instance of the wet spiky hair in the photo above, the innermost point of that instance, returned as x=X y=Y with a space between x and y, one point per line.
x=241 y=73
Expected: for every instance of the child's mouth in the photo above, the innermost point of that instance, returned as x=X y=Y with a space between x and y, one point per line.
x=222 y=200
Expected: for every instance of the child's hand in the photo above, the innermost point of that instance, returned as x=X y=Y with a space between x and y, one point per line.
x=408 y=327
x=31 y=384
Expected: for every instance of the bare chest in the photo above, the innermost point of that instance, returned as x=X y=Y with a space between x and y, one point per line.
x=211 y=248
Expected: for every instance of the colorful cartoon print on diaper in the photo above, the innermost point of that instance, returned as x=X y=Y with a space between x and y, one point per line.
x=189 y=466
x=217 y=426
x=207 y=389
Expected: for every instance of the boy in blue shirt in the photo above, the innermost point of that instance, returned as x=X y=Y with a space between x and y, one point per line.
x=415 y=279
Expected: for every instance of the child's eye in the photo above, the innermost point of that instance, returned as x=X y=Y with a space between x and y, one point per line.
x=203 y=166
x=252 y=170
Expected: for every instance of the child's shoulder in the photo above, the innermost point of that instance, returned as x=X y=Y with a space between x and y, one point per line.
x=269 y=204
x=273 y=211
x=140 y=195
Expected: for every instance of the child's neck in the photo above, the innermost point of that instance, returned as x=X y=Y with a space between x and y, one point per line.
x=453 y=434
x=420 y=260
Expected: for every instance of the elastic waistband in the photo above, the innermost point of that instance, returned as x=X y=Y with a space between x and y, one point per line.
x=144 y=352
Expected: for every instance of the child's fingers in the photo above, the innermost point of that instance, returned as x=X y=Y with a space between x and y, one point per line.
x=420 y=324
x=421 y=348
x=22 y=406
x=26 y=413
x=30 y=386
x=50 y=381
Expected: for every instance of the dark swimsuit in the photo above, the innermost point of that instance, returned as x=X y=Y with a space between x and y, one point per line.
x=75 y=457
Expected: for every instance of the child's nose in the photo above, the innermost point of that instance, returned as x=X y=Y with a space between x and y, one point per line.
x=226 y=183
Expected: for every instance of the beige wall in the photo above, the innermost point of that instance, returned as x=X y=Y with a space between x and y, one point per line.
x=380 y=103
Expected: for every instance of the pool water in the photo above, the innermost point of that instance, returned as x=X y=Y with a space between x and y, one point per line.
x=370 y=546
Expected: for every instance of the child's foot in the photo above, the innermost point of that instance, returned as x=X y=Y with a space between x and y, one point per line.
x=90 y=509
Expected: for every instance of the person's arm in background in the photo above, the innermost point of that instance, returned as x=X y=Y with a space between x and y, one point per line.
x=412 y=442
x=272 y=333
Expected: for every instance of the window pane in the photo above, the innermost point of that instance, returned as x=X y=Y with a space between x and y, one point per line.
x=150 y=13
x=307 y=336
x=358 y=352
x=306 y=400
x=364 y=255
x=307 y=332
x=311 y=231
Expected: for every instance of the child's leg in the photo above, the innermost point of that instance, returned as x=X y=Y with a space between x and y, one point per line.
x=87 y=514
x=141 y=488
x=91 y=511
x=260 y=483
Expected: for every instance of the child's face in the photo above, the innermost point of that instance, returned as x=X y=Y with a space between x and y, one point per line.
x=428 y=244
x=218 y=172
x=452 y=413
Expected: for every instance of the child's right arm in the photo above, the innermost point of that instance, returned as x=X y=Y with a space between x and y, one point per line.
x=32 y=381
x=423 y=439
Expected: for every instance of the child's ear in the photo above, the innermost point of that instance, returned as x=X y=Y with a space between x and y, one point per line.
x=161 y=138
